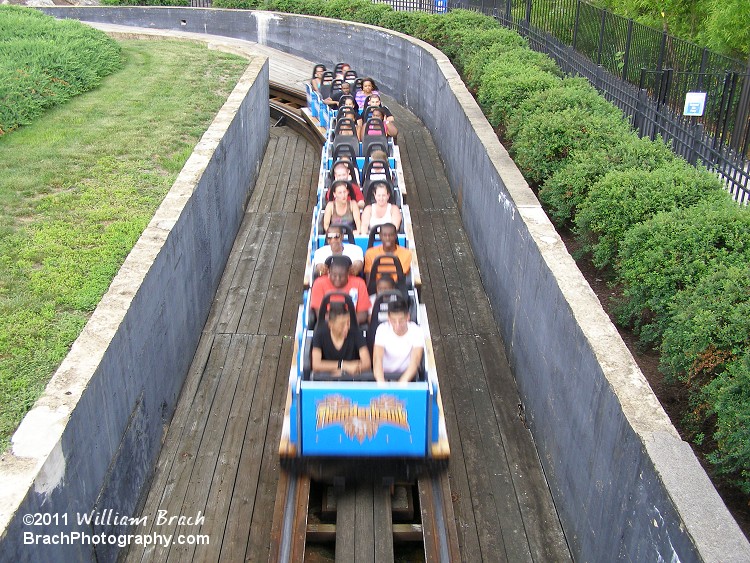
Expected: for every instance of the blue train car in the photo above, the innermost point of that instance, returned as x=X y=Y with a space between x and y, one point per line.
x=335 y=418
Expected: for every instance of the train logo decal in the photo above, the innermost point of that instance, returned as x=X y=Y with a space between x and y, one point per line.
x=362 y=422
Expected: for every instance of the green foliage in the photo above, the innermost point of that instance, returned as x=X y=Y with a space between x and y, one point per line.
x=232 y=4
x=77 y=191
x=506 y=82
x=726 y=29
x=477 y=43
x=45 y=62
x=474 y=62
x=563 y=193
x=372 y=13
x=546 y=140
x=569 y=93
x=405 y=22
x=718 y=24
x=145 y=2
x=673 y=251
x=445 y=31
x=709 y=326
x=729 y=399
x=623 y=198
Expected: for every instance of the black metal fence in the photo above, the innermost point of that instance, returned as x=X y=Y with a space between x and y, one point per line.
x=644 y=71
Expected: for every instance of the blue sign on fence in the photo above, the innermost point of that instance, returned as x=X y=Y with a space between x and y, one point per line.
x=441 y=6
x=695 y=103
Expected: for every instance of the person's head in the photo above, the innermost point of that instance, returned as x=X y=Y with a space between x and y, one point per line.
x=340 y=190
x=341 y=171
x=398 y=316
x=318 y=71
x=377 y=113
x=388 y=236
x=338 y=270
x=368 y=85
x=338 y=318
x=382 y=194
x=346 y=88
x=385 y=283
x=347 y=102
x=335 y=238
x=374 y=100
x=345 y=67
x=378 y=155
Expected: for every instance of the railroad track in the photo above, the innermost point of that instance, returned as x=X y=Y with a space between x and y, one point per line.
x=376 y=521
x=286 y=109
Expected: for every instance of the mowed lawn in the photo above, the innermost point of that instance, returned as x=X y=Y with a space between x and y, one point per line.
x=77 y=189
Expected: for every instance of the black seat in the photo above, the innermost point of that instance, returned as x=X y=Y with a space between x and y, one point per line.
x=346 y=134
x=377 y=166
x=325 y=84
x=380 y=313
x=329 y=177
x=370 y=187
x=350 y=76
x=344 y=150
x=322 y=325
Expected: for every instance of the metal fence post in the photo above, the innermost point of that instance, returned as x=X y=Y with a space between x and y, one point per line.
x=626 y=55
x=662 y=51
x=575 y=25
x=600 y=48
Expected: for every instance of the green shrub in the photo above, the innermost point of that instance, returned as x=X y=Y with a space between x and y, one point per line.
x=569 y=93
x=372 y=13
x=445 y=31
x=405 y=22
x=343 y=9
x=673 y=251
x=546 y=140
x=506 y=82
x=145 y=2
x=709 y=326
x=728 y=397
x=473 y=42
x=236 y=4
x=45 y=62
x=623 y=198
x=563 y=193
x=474 y=63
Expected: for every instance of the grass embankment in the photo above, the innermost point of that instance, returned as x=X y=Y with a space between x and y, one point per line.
x=78 y=187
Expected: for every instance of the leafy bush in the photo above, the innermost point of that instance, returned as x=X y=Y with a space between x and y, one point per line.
x=623 y=198
x=46 y=62
x=445 y=31
x=474 y=42
x=372 y=13
x=709 y=326
x=569 y=93
x=506 y=82
x=673 y=251
x=145 y=2
x=231 y=4
x=563 y=193
x=405 y=22
x=546 y=139
x=728 y=397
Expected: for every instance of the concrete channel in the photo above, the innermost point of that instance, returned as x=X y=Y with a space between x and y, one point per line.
x=624 y=483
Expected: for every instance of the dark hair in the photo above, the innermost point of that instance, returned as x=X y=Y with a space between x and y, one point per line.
x=338 y=260
x=388 y=278
x=390 y=226
x=398 y=306
x=337 y=309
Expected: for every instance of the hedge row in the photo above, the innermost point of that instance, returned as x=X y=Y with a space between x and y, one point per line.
x=663 y=229
x=45 y=62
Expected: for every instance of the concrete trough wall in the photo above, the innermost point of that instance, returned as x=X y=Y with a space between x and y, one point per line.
x=91 y=441
x=625 y=485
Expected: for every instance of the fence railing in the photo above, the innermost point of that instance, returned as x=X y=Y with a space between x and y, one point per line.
x=644 y=71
